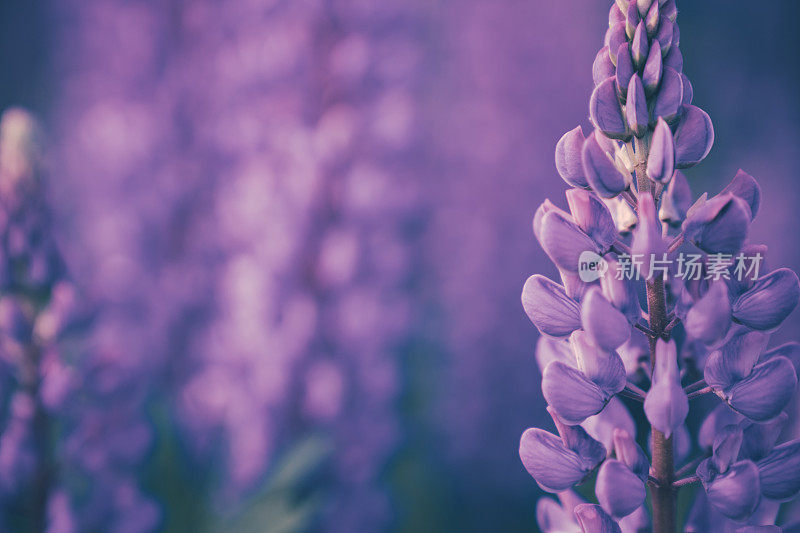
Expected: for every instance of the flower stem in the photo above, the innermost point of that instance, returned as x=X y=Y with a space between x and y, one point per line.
x=662 y=469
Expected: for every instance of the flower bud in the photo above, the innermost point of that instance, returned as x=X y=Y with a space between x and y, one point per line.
x=640 y=46
x=674 y=58
x=670 y=10
x=669 y=96
x=636 y=107
x=603 y=175
x=632 y=19
x=549 y=308
x=615 y=15
x=645 y=6
x=664 y=35
x=688 y=91
x=618 y=489
x=606 y=112
x=568 y=158
x=615 y=36
x=647 y=239
x=661 y=160
x=625 y=69
x=651 y=19
x=651 y=76
x=602 y=68
x=666 y=404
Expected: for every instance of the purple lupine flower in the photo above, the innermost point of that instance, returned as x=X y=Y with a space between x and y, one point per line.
x=705 y=333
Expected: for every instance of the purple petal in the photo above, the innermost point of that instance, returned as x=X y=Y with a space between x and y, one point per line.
x=613 y=417
x=694 y=136
x=632 y=19
x=651 y=76
x=670 y=10
x=549 y=308
x=720 y=225
x=718 y=418
x=568 y=158
x=710 y=318
x=640 y=45
x=661 y=161
x=651 y=19
x=735 y=494
x=605 y=110
x=635 y=353
x=573 y=284
x=790 y=350
x=601 y=172
x=549 y=349
x=618 y=489
x=767 y=304
x=615 y=36
x=554 y=466
x=726 y=448
x=665 y=34
x=765 y=392
x=602 y=367
x=606 y=325
x=670 y=95
x=760 y=437
x=745 y=187
x=620 y=292
x=688 y=90
x=591 y=452
x=550 y=516
x=631 y=453
x=676 y=201
x=593 y=519
x=603 y=67
x=625 y=68
x=674 y=58
x=615 y=15
x=666 y=405
x=735 y=360
x=573 y=396
x=647 y=240
x=644 y=6
x=563 y=241
x=636 y=522
x=636 y=107
x=593 y=217
x=779 y=472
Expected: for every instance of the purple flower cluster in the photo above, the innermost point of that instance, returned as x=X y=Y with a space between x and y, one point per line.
x=73 y=434
x=690 y=338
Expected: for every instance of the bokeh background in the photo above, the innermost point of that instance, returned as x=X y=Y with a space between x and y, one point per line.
x=305 y=225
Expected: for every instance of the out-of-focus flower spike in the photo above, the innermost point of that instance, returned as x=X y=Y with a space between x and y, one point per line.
x=651 y=75
x=651 y=19
x=640 y=45
x=619 y=491
x=669 y=97
x=614 y=417
x=666 y=405
x=694 y=136
x=688 y=90
x=605 y=178
x=593 y=217
x=759 y=529
x=676 y=201
x=779 y=472
x=720 y=225
x=636 y=107
x=606 y=325
x=710 y=318
x=661 y=160
x=603 y=367
x=664 y=35
x=593 y=519
x=568 y=158
x=555 y=466
x=549 y=308
x=745 y=187
x=632 y=20
x=769 y=301
x=625 y=69
x=606 y=112
x=615 y=36
x=603 y=67
x=630 y=453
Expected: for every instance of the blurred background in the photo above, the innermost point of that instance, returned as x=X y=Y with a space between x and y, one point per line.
x=303 y=227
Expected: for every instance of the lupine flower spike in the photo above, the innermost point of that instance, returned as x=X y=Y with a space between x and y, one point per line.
x=663 y=300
